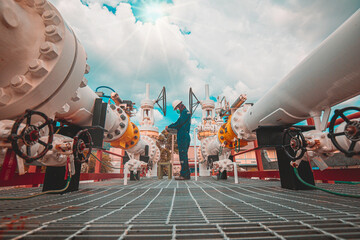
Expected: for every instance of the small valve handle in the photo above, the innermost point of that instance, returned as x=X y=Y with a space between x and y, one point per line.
x=294 y=143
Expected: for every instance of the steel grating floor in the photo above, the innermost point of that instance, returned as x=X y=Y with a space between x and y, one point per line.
x=164 y=209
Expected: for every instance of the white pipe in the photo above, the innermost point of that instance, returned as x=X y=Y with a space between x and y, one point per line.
x=125 y=175
x=328 y=76
x=195 y=154
x=235 y=172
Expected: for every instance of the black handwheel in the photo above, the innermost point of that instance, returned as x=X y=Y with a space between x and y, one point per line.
x=351 y=131
x=294 y=148
x=82 y=141
x=162 y=97
x=30 y=135
x=193 y=106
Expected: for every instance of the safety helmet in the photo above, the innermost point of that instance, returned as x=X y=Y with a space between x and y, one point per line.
x=176 y=103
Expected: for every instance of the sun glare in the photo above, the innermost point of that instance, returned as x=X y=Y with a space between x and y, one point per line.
x=153 y=11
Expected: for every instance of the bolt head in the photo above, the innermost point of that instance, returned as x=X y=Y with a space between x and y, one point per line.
x=76 y=97
x=83 y=83
x=53 y=34
x=50 y=18
x=4 y=97
x=17 y=80
x=87 y=69
x=37 y=68
x=41 y=6
x=20 y=84
x=64 y=109
x=49 y=50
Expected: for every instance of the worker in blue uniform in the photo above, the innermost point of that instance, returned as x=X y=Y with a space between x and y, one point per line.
x=182 y=125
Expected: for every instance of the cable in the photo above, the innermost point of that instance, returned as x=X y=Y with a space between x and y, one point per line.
x=39 y=194
x=347 y=182
x=322 y=189
x=57 y=131
x=102 y=162
x=104 y=87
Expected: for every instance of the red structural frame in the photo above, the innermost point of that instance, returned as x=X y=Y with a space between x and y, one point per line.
x=9 y=177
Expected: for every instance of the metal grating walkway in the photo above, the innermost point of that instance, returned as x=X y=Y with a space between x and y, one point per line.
x=163 y=209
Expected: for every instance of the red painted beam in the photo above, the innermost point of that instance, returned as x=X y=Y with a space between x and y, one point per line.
x=349 y=174
x=26 y=179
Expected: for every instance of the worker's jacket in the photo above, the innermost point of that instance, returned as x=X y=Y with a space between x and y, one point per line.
x=182 y=125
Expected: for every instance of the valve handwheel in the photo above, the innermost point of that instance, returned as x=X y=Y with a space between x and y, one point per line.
x=351 y=131
x=30 y=135
x=80 y=146
x=296 y=145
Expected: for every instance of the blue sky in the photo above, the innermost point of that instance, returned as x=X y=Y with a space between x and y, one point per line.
x=235 y=46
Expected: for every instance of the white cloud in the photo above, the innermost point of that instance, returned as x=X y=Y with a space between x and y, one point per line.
x=235 y=46
x=158 y=116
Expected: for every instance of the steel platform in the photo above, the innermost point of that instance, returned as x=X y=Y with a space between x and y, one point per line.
x=169 y=209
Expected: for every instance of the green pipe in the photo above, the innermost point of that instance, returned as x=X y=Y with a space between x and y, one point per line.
x=322 y=189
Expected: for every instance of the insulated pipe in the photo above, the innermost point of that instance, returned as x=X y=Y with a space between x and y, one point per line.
x=42 y=68
x=328 y=76
x=43 y=62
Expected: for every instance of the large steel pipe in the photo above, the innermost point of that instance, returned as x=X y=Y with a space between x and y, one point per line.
x=328 y=76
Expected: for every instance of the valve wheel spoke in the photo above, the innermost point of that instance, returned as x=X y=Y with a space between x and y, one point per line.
x=28 y=150
x=344 y=117
x=338 y=134
x=292 y=134
x=16 y=137
x=42 y=143
x=28 y=120
x=42 y=125
x=352 y=146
